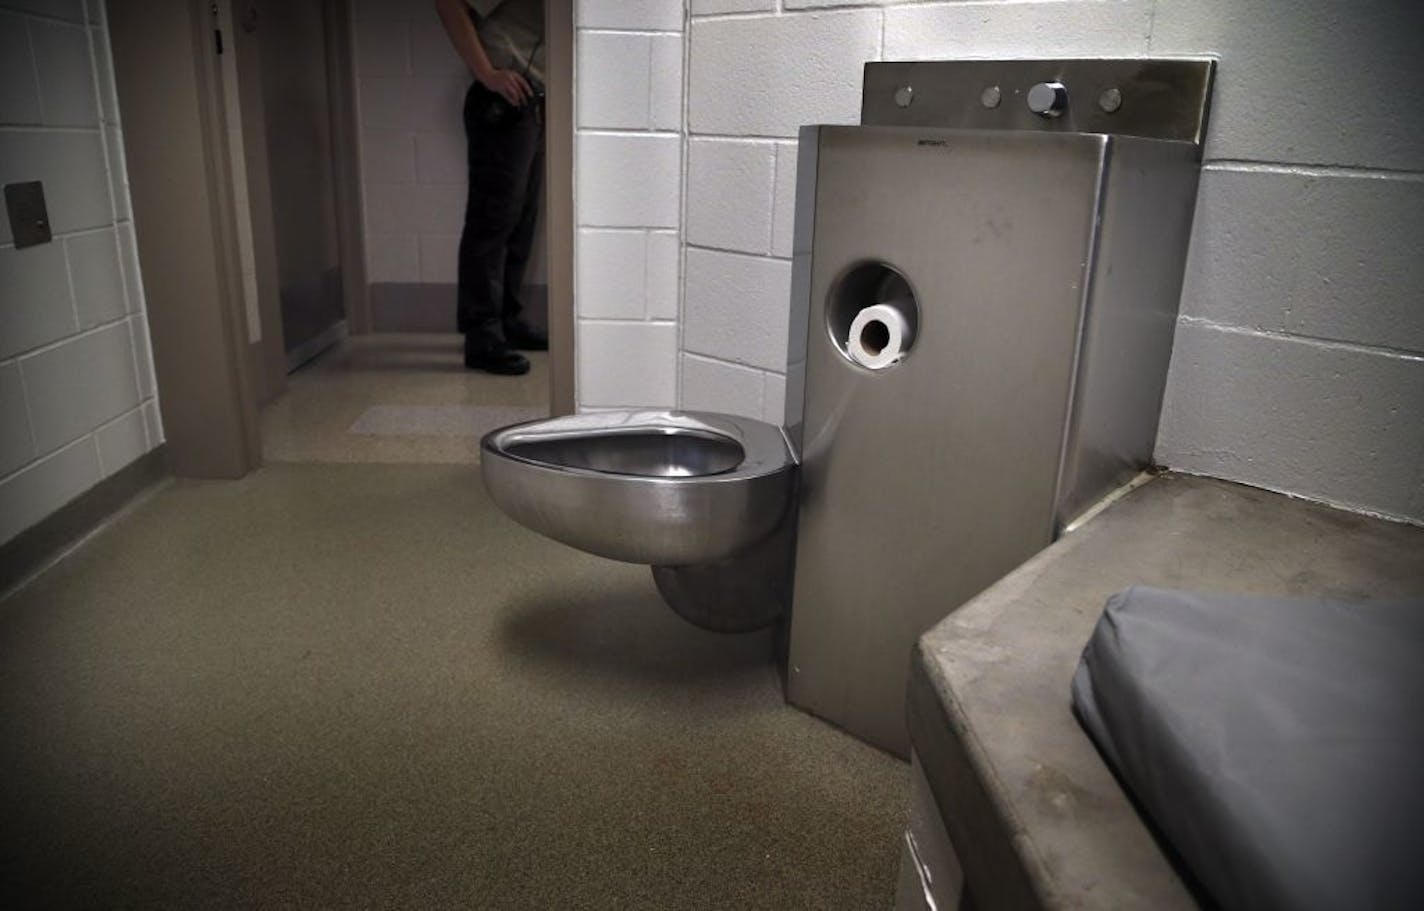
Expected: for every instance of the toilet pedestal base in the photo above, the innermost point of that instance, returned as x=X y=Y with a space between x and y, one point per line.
x=737 y=595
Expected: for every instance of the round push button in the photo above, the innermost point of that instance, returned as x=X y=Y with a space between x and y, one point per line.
x=1048 y=99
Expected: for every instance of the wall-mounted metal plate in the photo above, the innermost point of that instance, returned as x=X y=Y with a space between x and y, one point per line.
x=1153 y=99
x=29 y=219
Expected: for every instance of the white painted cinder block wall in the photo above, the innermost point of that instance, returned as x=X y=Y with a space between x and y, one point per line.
x=1299 y=362
x=77 y=398
x=410 y=88
x=628 y=200
x=410 y=95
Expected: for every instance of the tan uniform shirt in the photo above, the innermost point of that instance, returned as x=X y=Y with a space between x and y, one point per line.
x=512 y=32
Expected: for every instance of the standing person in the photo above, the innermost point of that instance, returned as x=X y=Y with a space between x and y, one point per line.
x=502 y=43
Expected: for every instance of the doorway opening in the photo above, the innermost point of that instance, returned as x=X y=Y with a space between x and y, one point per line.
x=344 y=123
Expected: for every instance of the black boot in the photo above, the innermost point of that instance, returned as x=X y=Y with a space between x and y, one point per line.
x=494 y=356
x=525 y=337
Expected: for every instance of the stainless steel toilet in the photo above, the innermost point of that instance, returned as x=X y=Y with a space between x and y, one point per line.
x=705 y=499
x=985 y=278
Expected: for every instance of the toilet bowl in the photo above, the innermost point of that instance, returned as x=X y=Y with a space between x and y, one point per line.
x=705 y=499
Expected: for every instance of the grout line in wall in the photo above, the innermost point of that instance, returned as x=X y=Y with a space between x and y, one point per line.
x=46 y=17
x=1243 y=166
x=719 y=359
x=745 y=137
x=863 y=6
x=625 y=321
x=892 y=4
x=606 y=131
x=648 y=108
x=50 y=346
x=1312 y=340
x=77 y=232
x=684 y=123
x=625 y=229
x=771 y=222
x=148 y=443
x=739 y=140
x=734 y=16
x=647 y=255
x=35 y=69
x=69 y=283
x=29 y=420
x=89 y=437
x=768 y=257
x=1304 y=498
x=133 y=354
x=120 y=416
x=630 y=32
x=594 y=226
x=39 y=459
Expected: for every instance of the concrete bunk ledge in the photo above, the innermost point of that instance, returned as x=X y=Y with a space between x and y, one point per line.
x=1034 y=815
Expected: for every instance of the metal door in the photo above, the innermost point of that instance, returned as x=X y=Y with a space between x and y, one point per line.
x=297 y=112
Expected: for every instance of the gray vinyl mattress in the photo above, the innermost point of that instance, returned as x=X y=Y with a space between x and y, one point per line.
x=1276 y=744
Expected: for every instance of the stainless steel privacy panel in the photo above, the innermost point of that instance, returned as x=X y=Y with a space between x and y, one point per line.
x=925 y=482
x=1152 y=99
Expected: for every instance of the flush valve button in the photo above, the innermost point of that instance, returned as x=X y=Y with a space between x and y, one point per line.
x=1048 y=99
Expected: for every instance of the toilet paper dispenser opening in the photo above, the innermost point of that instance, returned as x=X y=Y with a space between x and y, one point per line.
x=872 y=315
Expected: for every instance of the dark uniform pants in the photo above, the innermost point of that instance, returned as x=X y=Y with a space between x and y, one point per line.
x=506 y=162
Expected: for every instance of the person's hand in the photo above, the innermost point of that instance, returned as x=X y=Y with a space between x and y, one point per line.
x=508 y=84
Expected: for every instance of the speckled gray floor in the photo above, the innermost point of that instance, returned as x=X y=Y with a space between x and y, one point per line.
x=362 y=686
x=397 y=398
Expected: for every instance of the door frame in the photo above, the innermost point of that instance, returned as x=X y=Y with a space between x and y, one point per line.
x=559 y=213
x=558 y=181
x=169 y=86
x=169 y=83
x=270 y=351
x=346 y=162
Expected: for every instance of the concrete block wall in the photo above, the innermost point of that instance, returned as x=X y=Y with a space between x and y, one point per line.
x=1299 y=362
x=410 y=90
x=77 y=397
x=629 y=148
x=757 y=72
x=410 y=95
x=1299 y=358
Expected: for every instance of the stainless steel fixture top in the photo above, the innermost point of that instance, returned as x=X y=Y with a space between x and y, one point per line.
x=1158 y=98
x=666 y=488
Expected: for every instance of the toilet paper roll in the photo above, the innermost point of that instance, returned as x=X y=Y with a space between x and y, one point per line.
x=879 y=336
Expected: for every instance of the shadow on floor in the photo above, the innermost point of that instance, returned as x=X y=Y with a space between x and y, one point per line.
x=423 y=361
x=630 y=637
x=357 y=686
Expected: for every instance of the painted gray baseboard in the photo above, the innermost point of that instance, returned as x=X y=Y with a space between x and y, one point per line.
x=420 y=307
x=35 y=547
x=308 y=350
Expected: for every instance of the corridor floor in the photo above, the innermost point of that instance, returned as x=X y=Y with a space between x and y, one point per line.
x=397 y=397
x=360 y=685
